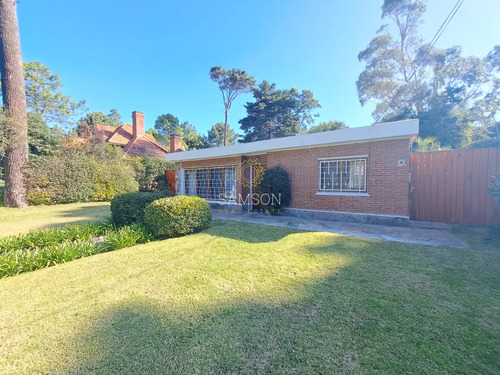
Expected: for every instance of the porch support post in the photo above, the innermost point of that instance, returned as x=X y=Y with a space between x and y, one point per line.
x=251 y=187
x=182 y=187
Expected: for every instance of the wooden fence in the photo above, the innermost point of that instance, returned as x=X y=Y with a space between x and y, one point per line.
x=452 y=186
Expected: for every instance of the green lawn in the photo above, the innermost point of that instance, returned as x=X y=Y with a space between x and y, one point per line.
x=246 y=299
x=14 y=221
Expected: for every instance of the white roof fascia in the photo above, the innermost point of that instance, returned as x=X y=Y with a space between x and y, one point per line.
x=387 y=130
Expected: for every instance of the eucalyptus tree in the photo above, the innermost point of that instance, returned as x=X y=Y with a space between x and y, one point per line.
x=231 y=83
x=456 y=98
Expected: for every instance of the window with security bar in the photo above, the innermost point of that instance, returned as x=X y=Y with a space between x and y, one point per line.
x=342 y=175
x=216 y=183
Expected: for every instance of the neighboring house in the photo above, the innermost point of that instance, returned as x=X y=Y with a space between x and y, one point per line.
x=132 y=138
x=363 y=170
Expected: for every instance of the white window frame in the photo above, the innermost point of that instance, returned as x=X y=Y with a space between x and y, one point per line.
x=208 y=169
x=341 y=191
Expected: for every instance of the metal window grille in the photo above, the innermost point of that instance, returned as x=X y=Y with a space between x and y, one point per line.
x=342 y=175
x=215 y=183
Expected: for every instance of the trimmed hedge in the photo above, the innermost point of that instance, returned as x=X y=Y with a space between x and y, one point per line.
x=127 y=209
x=177 y=216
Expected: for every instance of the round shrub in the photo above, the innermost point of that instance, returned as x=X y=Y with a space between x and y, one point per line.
x=275 y=188
x=128 y=209
x=177 y=216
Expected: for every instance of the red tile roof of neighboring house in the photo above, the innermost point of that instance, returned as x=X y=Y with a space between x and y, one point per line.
x=106 y=131
x=143 y=145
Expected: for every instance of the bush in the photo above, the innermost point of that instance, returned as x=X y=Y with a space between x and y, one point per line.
x=150 y=173
x=38 y=198
x=113 y=179
x=127 y=209
x=66 y=178
x=78 y=176
x=52 y=236
x=126 y=236
x=177 y=216
x=495 y=190
x=276 y=184
x=15 y=262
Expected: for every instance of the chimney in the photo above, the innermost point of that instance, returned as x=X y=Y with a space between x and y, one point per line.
x=138 y=124
x=176 y=143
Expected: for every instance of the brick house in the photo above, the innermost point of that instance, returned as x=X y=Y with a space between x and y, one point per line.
x=132 y=138
x=356 y=174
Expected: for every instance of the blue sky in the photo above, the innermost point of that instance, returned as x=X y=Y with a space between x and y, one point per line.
x=154 y=56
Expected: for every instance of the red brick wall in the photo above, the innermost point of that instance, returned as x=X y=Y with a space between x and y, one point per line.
x=387 y=183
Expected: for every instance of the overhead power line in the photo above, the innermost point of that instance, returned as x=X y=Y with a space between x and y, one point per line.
x=446 y=22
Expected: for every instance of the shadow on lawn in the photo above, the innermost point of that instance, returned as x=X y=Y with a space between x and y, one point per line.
x=296 y=327
x=80 y=215
x=254 y=233
x=140 y=338
x=90 y=211
x=355 y=319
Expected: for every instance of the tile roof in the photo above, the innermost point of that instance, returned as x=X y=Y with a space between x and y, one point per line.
x=105 y=130
x=122 y=135
x=145 y=145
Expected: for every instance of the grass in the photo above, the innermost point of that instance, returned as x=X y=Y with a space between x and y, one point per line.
x=15 y=221
x=246 y=299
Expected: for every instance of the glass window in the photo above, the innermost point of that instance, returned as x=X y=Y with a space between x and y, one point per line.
x=342 y=175
x=218 y=183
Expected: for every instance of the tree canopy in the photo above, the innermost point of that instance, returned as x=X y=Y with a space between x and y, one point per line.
x=277 y=113
x=44 y=96
x=42 y=139
x=86 y=125
x=216 y=135
x=327 y=126
x=168 y=124
x=113 y=118
x=456 y=98
x=192 y=139
x=231 y=83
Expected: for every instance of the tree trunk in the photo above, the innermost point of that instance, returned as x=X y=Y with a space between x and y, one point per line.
x=225 y=124
x=14 y=100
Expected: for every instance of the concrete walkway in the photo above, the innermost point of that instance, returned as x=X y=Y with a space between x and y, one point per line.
x=413 y=235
